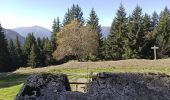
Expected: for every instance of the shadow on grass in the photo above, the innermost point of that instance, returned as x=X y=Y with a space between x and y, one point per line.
x=12 y=79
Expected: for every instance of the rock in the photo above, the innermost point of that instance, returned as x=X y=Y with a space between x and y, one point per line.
x=104 y=86
x=128 y=86
x=43 y=86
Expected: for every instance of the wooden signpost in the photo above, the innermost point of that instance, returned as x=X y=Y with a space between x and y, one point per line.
x=154 y=48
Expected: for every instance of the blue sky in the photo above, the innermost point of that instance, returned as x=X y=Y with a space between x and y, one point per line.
x=17 y=13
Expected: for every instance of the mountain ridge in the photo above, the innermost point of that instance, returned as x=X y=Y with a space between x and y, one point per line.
x=10 y=34
x=38 y=31
x=41 y=32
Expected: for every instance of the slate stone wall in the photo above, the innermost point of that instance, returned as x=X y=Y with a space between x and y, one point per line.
x=104 y=86
x=43 y=87
x=128 y=86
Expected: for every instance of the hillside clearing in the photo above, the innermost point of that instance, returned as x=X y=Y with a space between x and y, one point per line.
x=132 y=63
x=10 y=83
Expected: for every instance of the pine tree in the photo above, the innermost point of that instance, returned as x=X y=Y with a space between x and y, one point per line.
x=136 y=35
x=118 y=34
x=39 y=43
x=67 y=18
x=33 y=59
x=166 y=10
x=11 y=48
x=55 y=29
x=146 y=51
x=19 y=53
x=58 y=25
x=4 y=54
x=154 y=20
x=29 y=41
x=106 y=49
x=146 y=23
x=162 y=33
x=94 y=23
x=40 y=47
x=47 y=48
x=74 y=13
x=78 y=14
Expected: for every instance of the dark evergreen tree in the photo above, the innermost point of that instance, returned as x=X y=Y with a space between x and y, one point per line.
x=29 y=41
x=4 y=54
x=149 y=40
x=77 y=13
x=93 y=21
x=48 y=50
x=136 y=34
x=40 y=47
x=55 y=29
x=162 y=34
x=58 y=25
x=19 y=53
x=34 y=59
x=11 y=49
x=39 y=43
x=118 y=35
x=154 y=20
x=146 y=23
x=67 y=18
x=106 y=49
x=166 y=10
x=74 y=13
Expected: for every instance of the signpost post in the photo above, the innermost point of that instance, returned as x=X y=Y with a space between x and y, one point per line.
x=154 y=48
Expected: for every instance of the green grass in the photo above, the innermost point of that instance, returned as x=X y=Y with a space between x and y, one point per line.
x=9 y=93
x=12 y=80
x=81 y=71
x=11 y=84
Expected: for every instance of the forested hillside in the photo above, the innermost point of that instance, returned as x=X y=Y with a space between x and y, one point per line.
x=75 y=38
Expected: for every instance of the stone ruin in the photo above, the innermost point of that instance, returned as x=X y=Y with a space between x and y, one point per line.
x=104 y=86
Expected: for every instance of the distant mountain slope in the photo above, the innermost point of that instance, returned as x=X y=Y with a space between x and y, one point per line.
x=37 y=30
x=43 y=32
x=10 y=34
x=105 y=30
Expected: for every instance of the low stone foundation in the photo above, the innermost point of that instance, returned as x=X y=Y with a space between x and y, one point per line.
x=104 y=86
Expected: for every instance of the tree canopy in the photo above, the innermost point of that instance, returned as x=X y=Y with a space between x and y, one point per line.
x=4 y=53
x=76 y=40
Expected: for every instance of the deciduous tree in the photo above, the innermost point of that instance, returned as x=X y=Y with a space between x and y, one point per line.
x=76 y=40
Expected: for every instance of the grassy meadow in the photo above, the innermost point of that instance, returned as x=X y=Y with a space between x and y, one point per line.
x=10 y=83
